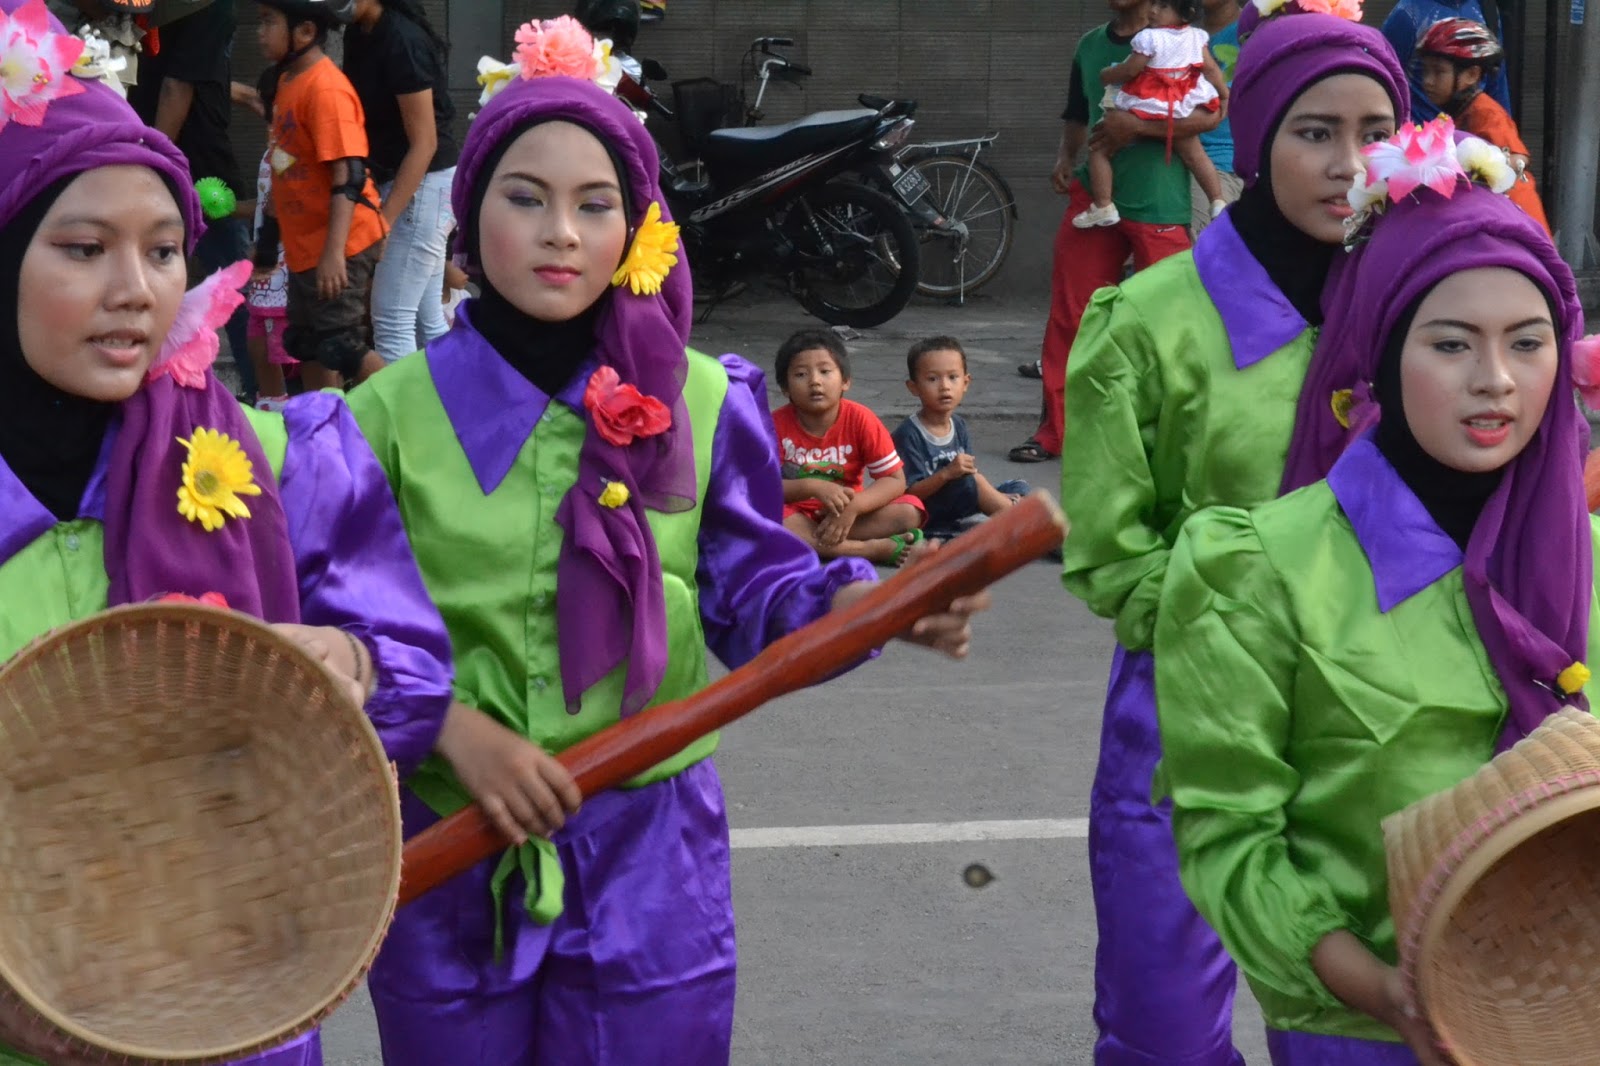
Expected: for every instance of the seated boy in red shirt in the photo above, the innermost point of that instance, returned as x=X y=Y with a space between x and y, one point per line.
x=1457 y=57
x=826 y=444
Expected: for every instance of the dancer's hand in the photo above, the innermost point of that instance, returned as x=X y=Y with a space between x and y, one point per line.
x=948 y=631
x=523 y=789
x=345 y=655
x=1366 y=983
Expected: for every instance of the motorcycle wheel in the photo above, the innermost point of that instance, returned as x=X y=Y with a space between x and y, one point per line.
x=856 y=253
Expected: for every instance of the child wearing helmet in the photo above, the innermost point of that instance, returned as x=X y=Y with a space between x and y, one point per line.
x=1457 y=58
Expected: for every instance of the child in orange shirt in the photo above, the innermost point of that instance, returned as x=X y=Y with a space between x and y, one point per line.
x=325 y=204
x=1457 y=57
x=826 y=444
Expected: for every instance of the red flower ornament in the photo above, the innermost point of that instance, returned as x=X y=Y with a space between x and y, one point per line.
x=621 y=412
x=206 y=599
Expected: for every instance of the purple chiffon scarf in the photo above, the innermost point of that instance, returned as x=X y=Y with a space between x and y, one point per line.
x=610 y=605
x=151 y=550
x=1529 y=562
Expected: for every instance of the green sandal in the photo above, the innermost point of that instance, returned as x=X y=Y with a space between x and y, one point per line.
x=903 y=543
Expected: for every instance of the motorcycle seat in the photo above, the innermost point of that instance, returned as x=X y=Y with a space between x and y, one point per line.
x=778 y=144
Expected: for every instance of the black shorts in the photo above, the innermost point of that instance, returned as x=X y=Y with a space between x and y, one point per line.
x=333 y=333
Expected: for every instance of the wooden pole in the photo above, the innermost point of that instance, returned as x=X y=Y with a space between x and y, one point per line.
x=805 y=657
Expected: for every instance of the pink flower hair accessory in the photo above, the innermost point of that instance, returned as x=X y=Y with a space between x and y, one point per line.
x=558 y=47
x=1433 y=156
x=1586 y=369
x=35 y=65
x=191 y=345
x=622 y=413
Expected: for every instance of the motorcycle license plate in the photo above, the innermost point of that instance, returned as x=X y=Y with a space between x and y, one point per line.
x=910 y=186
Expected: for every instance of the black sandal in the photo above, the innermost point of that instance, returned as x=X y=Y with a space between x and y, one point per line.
x=1030 y=451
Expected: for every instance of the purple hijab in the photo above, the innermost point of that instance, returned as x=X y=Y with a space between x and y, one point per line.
x=1529 y=562
x=150 y=549
x=610 y=606
x=1285 y=56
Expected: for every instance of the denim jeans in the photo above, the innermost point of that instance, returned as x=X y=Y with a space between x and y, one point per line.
x=225 y=242
x=407 y=309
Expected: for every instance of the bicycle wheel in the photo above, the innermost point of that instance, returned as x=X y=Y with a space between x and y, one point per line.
x=856 y=255
x=980 y=210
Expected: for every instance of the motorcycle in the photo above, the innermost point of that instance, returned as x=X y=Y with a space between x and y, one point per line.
x=775 y=201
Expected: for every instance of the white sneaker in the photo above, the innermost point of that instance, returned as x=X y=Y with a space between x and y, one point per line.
x=1217 y=207
x=1097 y=216
x=271 y=403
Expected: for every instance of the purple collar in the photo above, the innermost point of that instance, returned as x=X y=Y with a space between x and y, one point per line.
x=1404 y=545
x=24 y=519
x=1258 y=317
x=492 y=408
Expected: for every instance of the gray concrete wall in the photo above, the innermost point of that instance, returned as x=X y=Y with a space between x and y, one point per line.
x=973 y=66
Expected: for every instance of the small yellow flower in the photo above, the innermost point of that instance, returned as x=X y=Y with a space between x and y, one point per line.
x=215 y=475
x=614 y=495
x=1571 y=680
x=650 y=256
x=1341 y=402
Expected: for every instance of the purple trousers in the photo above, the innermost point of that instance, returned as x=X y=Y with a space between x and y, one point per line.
x=1163 y=986
x=638 y=970
x=1314 y=1049
x=304 y=1050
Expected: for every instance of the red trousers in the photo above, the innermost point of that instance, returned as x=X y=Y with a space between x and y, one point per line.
x=1086 y=260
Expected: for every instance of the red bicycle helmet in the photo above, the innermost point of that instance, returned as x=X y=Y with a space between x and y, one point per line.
x=1463 y=40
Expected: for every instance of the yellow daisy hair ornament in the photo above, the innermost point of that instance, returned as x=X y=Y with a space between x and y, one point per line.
x=215 y=475
x=651 y=255
x=1571 y=680
x=614 y=495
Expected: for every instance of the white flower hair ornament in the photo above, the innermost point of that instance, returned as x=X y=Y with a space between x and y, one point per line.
x=1431 y=156
x=100 y=61
x=558 y=47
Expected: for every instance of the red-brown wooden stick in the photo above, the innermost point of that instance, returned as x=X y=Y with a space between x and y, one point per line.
x=1591 y=479
x=965 y=565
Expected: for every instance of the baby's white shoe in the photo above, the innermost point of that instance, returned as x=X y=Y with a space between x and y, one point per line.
x=1097 y=216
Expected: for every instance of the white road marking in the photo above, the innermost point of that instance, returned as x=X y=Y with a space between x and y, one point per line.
x=833 y=836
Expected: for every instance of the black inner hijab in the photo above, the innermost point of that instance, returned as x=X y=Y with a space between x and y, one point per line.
x=49 y=438
x=548 y=354
x=1296 y=262
x=1453 y=498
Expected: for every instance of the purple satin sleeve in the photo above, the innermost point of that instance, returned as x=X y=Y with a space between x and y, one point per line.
x=357 y=573
x=758 y=581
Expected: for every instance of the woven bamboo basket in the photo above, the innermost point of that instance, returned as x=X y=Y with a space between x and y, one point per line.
x=1495 y=890
x=199 y=838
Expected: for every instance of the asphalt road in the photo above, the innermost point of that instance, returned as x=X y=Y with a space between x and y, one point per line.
x=882 y=952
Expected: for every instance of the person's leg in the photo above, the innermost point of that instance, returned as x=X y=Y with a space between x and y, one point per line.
x=431 y=320
x=1314 y=1049
x=225 y=242
x=1201 y=168
x=900 y=515
x=990 y=499
x=1152 y=242
x=1163 y=985
x=1085 y=260
x=440 y=993
x=947 y=507
x=1100 y=178
x=303 y=1050
x=410 y=272
x=269 y=375
x=642 y=968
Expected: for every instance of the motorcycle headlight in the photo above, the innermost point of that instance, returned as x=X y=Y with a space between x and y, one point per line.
x=894 y=136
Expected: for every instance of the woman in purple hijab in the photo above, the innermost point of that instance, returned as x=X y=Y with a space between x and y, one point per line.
x=1181 y=394
x=127 y=471
x=1331 y=657
x=593 y=505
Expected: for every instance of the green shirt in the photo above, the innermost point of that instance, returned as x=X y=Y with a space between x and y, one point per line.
x=1162 y=421
x=1295 y=716
x=1147 y=186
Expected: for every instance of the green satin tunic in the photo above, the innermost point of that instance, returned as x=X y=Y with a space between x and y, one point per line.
x=1295 y=715
x=1168 y=411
